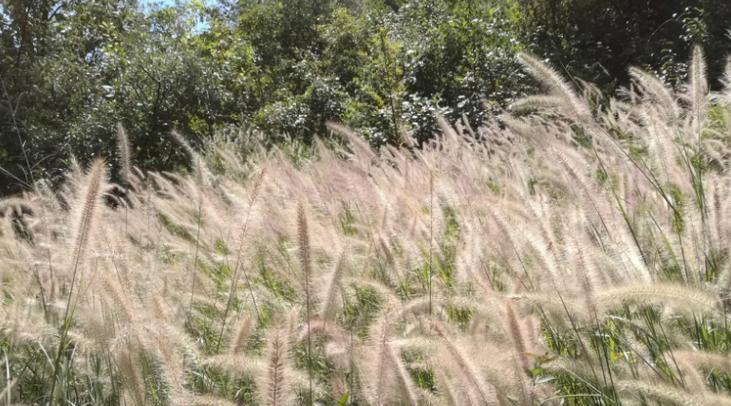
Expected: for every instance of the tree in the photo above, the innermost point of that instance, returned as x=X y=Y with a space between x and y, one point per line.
x=598 y=39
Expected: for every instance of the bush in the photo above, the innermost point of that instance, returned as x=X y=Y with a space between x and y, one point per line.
x=598 y=39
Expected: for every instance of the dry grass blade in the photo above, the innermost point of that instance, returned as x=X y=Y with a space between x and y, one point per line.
x=330 y=291
x=653 y=88
x=682 y=298
x=698 y=85
x=360 y=146
x=125 y=154
x=244 y=329
x=306 y=267
x=469 y=371
x=548 y=77
x=276 y=386
x=86 y=212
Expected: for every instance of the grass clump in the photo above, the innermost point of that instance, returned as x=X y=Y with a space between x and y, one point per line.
x=597 y=272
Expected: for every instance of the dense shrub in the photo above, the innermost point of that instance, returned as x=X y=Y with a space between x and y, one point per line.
x=70 y=70
x=598 y=39
x=86 y=66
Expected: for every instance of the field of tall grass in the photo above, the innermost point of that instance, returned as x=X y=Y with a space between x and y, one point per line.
x=574 y=251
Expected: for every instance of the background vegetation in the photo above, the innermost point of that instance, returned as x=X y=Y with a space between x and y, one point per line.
x=276 y=70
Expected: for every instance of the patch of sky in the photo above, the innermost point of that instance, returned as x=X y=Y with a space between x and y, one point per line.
x=152 y=5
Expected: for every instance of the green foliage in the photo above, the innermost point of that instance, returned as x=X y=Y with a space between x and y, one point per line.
x=93 y=64
x=282 y=68
x=598 y=39
x=70 y=71
x=211 y=380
